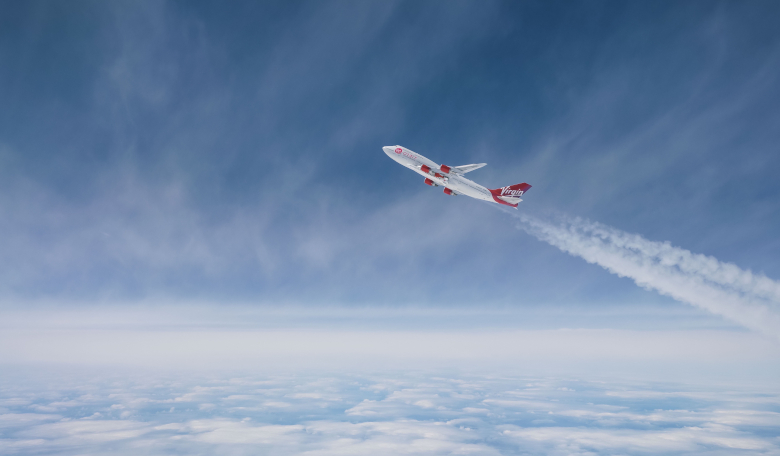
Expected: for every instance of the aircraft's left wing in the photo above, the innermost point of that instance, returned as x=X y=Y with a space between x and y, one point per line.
x=466 y=168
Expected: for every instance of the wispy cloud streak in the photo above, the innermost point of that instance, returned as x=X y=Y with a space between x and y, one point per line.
x=742 y=296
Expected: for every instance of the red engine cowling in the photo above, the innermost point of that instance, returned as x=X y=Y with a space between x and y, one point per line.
x=429 y=182
x=445 y=169
x=425 y=168
x=447 y=191
x=437 y=175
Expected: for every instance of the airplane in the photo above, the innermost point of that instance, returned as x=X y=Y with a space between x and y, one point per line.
x=451 y=178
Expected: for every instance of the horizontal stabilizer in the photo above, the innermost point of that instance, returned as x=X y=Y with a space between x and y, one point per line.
x=510 y=199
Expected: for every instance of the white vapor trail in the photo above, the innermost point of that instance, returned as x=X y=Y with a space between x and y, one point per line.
x=722 y=288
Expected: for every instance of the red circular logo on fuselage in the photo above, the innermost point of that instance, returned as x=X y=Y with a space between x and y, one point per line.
x=398 y=150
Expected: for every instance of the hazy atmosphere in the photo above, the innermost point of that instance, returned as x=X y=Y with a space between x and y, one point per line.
x=204 y=248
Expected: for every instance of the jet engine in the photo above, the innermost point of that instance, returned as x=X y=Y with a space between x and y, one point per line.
x=430 y=182
x=425 y=168
x=448 y=191
x=445 y=169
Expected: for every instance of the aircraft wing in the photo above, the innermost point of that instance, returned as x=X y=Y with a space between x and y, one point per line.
x=466 y=168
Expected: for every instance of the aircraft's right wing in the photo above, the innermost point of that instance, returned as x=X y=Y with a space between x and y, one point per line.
x=466 y=168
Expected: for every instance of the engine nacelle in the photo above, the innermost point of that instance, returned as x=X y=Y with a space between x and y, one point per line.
x=445 y=169
x=430 y=182
x=425 y=168
x=437 y=175
x=447 y=191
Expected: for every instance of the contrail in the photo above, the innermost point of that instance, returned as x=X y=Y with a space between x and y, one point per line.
x=722 y=288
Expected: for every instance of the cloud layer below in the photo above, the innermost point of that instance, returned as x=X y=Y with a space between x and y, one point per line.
x=383 y=414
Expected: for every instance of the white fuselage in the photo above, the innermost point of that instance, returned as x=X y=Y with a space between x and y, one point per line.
x=457 y=183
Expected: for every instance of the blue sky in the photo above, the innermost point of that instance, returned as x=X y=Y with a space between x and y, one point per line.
x=204 y=247
x=184 y=150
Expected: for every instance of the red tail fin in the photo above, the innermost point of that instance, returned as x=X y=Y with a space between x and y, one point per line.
x=516 y=190
x=506 y=195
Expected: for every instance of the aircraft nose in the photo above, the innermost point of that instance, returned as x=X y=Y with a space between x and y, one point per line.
x=388 y=150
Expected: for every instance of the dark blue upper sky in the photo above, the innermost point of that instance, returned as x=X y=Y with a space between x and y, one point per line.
x=232 y=151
